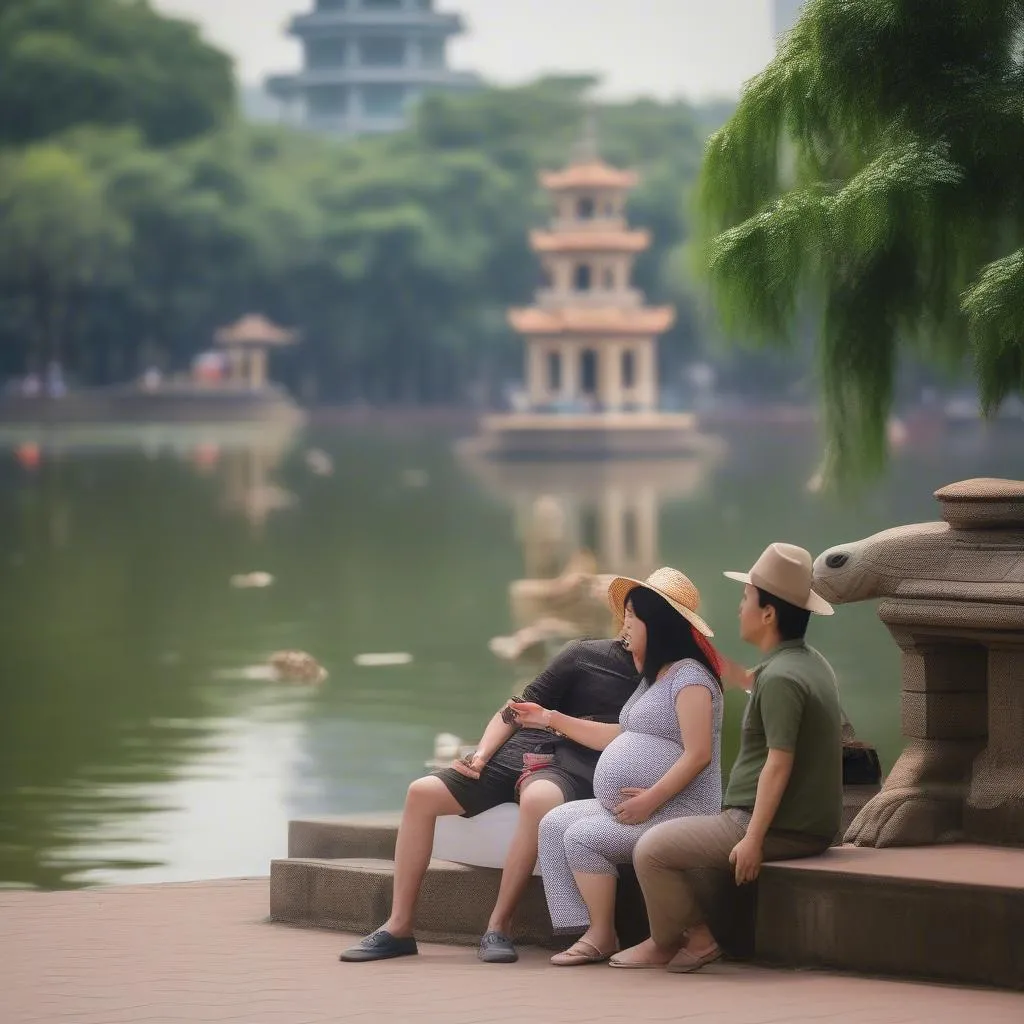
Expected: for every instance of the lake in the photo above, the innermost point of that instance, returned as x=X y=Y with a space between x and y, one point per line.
x=140 y=739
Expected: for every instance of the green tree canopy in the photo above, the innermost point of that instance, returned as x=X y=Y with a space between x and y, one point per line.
x=113 y=62
x=60 y=243
x=872 y=178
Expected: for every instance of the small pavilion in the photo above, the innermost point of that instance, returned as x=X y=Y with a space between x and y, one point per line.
x=246 y=344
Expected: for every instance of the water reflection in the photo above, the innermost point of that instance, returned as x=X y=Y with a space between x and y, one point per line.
x=578 y=523
x=116 y=575
x=139 y=743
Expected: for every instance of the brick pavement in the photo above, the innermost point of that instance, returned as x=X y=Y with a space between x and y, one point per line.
x=204 y=952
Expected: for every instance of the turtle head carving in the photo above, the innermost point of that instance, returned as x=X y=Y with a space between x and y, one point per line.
x=875 y=566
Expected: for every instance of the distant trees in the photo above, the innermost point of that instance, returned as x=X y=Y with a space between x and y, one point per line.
x=131 y=227
x=107 y=62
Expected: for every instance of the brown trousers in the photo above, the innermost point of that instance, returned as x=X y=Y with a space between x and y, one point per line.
x=664 y=855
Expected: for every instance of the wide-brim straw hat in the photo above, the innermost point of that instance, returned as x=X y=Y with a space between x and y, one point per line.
x=786 y=571
x=669 y=584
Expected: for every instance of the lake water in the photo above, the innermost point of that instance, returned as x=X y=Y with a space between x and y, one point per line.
x=138 y=738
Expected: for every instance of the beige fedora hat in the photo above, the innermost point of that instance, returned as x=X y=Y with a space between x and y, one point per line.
x=671 y=584
x=784 y=570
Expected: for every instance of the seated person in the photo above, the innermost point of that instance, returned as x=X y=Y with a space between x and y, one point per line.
x=785 y=794
x=589 y=679
x=661 y=761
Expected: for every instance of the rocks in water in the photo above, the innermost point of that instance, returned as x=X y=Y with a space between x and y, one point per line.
x=533 y=639
x=319 y=462
x=296 y=667
x=251 y=580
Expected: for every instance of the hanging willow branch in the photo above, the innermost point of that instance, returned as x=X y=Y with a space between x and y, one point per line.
x=875 y=172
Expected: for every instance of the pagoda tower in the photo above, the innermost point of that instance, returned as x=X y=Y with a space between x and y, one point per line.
x=591 y=342
x=366 y=62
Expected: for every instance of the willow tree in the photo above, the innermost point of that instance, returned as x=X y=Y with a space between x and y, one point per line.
x=871 y=181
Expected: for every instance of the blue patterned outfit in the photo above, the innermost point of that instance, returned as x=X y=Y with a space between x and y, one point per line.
x=584 y=836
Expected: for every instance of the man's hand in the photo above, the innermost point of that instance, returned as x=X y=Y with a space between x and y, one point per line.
x=746 y=857
x=636 y=808
x=471 y=765
x=529 y=714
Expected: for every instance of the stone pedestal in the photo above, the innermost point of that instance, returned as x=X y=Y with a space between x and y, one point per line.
x=954 y=603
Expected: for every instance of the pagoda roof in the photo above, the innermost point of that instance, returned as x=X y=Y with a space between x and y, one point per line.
x=254 y=329
x=589 y=174
x=590 y=241
x=582 y=320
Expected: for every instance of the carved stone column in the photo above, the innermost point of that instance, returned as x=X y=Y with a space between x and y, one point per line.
x=994 y=812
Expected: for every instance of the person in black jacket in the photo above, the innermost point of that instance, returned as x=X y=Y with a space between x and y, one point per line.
x=588 y=679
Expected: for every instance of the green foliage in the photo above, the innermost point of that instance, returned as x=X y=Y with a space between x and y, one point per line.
x=396 y=257
x=112 y=62
x=873 y=177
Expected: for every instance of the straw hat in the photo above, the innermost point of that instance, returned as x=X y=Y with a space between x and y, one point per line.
x=667 y=583
x=784 y=570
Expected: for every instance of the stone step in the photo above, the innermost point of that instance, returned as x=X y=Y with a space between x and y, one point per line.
x=353 y=894
x=949 y=913
x=353 y=835
x=480 y=841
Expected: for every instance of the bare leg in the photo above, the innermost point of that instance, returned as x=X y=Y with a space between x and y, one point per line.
x=427 y=800
x=598 y=892
x=538 y=796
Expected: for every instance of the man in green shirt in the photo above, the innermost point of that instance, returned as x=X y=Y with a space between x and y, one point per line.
x=785 y=794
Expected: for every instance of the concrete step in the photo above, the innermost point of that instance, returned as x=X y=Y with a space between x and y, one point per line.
x=948 y=913
x=354 y=835
x=952 y=913
x=481 y=840
x=353 y=894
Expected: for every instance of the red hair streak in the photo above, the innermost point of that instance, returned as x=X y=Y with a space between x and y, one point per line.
x=709 y=651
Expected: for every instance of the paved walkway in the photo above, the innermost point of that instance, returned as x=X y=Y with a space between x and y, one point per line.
x=203 y=952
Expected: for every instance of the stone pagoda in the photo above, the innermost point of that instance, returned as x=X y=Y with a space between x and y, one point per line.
x=366 y=62
x=591 y=341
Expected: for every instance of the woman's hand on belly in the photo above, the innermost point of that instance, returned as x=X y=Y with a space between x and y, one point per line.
x=638 y=806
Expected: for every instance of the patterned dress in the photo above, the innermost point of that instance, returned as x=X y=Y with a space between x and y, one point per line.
x=584 y=836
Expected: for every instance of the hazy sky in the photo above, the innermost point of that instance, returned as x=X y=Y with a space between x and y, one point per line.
x=664 y=48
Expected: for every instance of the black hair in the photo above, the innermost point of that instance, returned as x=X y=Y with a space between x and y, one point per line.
x=790 y=620
x=670 y=637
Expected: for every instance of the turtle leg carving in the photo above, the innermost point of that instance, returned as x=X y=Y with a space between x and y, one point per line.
x=922 y=801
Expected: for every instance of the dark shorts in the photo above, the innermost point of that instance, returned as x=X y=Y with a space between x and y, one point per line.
x=497 y=785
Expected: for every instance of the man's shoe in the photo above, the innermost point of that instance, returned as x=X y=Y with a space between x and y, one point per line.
x=496 y=948
x=381 y=945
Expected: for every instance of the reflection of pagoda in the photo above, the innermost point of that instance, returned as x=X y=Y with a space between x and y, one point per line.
x=566 y=513
x=611 y=508
x=591 y=342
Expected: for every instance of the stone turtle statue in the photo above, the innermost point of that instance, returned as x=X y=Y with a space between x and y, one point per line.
x=952 y=595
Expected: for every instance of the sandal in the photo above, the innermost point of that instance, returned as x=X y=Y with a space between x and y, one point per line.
x=636 y=965
x=581 y=952
x=684 y=962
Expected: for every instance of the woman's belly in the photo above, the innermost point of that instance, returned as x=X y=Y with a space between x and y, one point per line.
x=632 y=759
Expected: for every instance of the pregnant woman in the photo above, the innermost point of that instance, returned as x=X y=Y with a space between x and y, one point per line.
x=662 y=761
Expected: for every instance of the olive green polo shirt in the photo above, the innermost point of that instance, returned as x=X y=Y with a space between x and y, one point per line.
x=794 y=706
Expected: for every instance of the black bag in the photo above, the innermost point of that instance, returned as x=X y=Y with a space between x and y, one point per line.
x=861 y=766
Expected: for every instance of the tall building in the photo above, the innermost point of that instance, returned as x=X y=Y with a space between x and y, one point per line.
x=365 y=62
x=784 y=16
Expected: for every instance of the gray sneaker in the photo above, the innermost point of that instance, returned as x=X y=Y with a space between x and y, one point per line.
x=496 y=948
x=381 y=945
